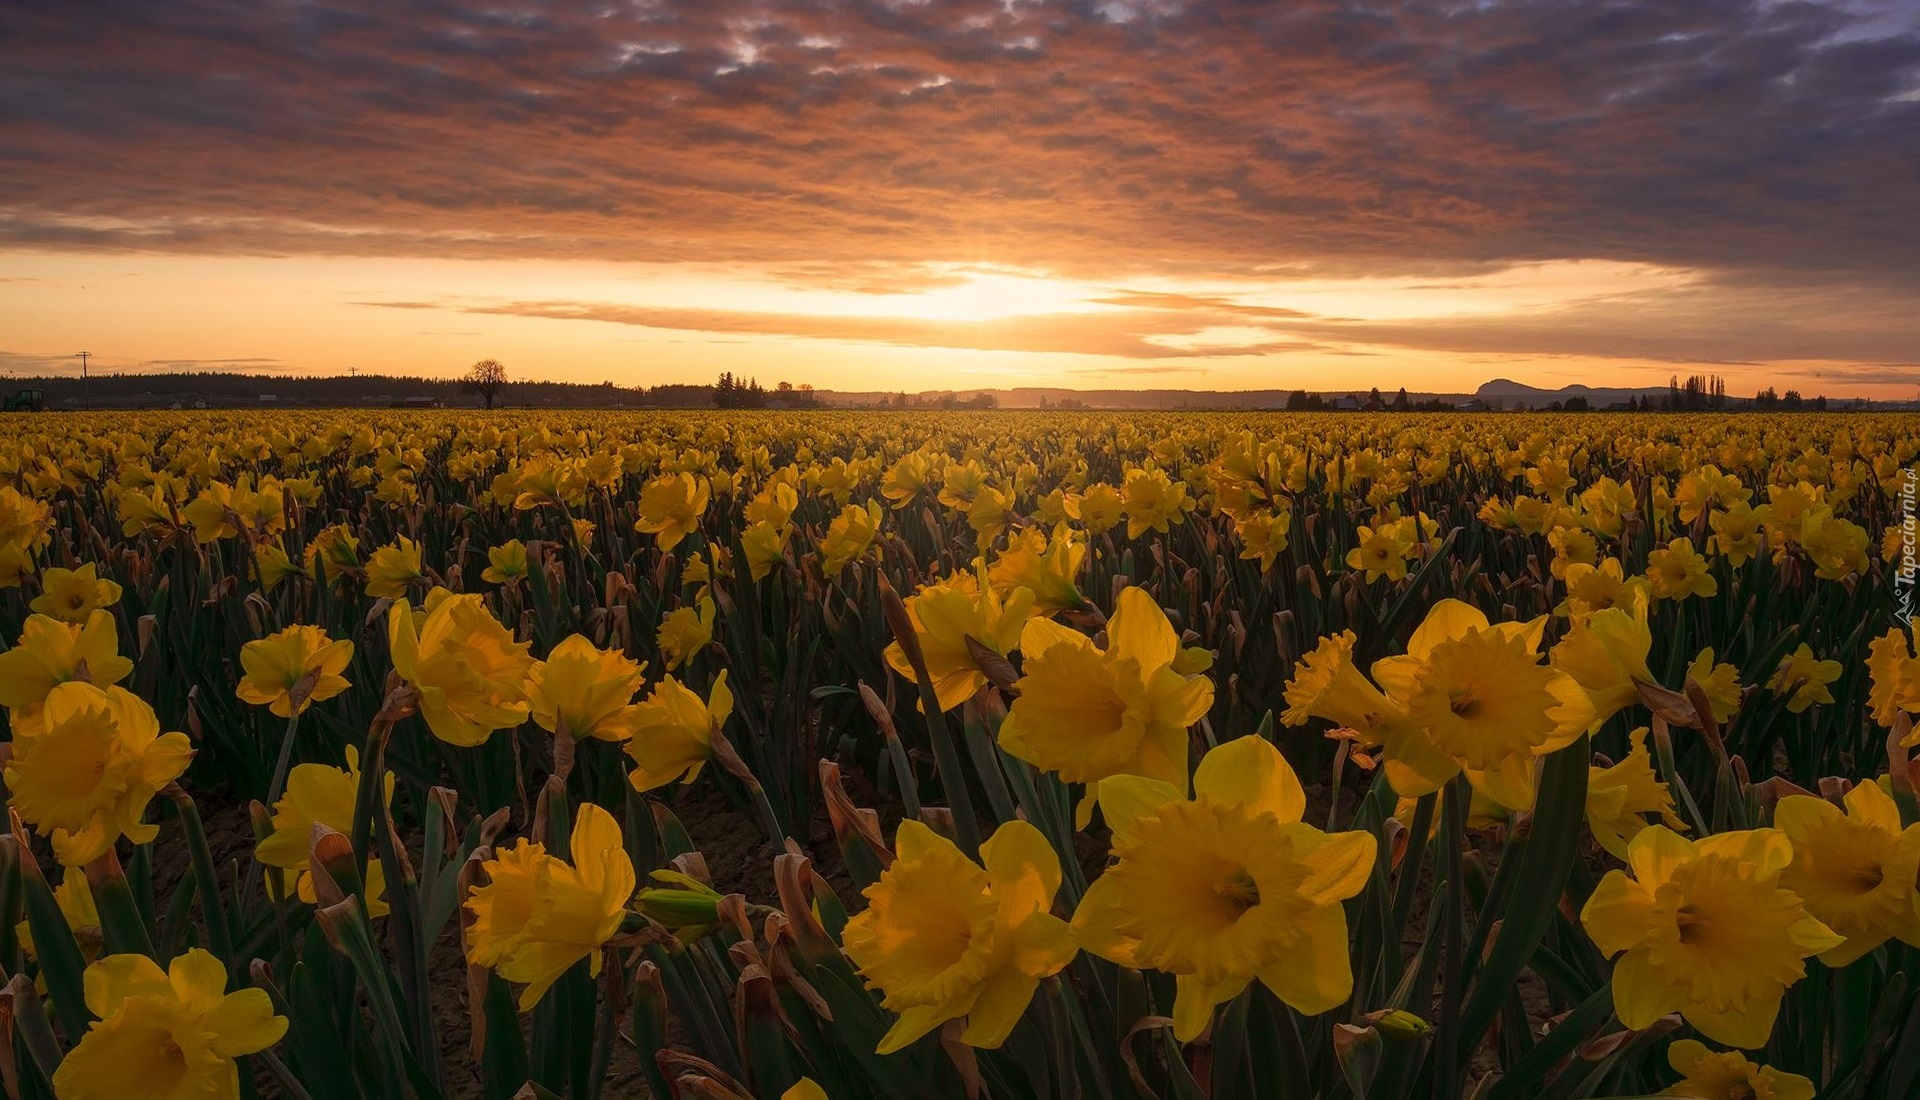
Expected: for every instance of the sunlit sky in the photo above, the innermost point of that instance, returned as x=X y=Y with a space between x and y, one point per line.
x=922 y=194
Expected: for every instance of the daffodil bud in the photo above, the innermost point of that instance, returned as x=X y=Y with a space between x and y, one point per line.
x=1398 y=1023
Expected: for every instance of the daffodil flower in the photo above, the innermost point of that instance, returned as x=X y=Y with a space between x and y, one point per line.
x=299 y=657
x=318 y=794
x=86 y=778
x=1706 y=929
x=1228 y=888
x=167 y=1035
x=944 y=617
x=673 y=732
x=538 y=914
x=1090 y=714
x=468 y=671
x=671 y=507
x=584 y=691
x=1855 y=870
x=943 y=937
x=51 y=653
x=71 y=595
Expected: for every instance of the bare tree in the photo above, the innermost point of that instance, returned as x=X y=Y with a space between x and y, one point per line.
x=485 y=378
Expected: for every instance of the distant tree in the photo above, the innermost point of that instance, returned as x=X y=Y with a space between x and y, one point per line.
x=1374 y=400
x=983 y=401
x=486 y=378
x=1576 y=405
x=1297 y=401
x=1791 y=400
x=1401 y=402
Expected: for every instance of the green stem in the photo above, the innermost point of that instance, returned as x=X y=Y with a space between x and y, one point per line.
x=206 y=881
x=280 y=767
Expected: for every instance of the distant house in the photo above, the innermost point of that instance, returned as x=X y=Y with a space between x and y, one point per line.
x=1476 y=406
x=268 y=398
x=419 y=403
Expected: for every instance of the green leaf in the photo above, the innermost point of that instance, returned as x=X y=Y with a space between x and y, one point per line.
x=1539 y=879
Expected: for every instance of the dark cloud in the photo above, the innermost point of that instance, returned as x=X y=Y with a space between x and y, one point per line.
x=1106 y=137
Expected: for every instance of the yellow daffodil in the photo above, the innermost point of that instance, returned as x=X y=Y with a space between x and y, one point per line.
x=1706 y=929
x=1227 y=888
x=318 y=794
x=1804 y=679
x=1728 y=1075
x=1571 y=546
x=538 y=915
x=1089 y=714
x=1099 y=509
x=1263 y=535
x=943 y=937
x=1720 y=682
x=1678 y=571
x=773 y=505
x=684 y=632
x=1855 y=870
x=469 y=672
x=671 y=507
x=299 y=659
x=334 y=552
x=1593 y=588
x=51 y=653
x=1153 y=501
x=393 y=569
x=165 y=1035
x=1481 y=701
x=1049 y=567
x=1380 y=554
x=944 y=616
x=85 y=779
x=272 y=565
x=584 y=691
x=1606 y=654
x=1736 y=532
x=673 y=732
x=1891 y=664
x=906 y=480
x=1620 y=796
x=72 y=595
x=506 y=563
x=765 y=546
x=848 y=537
x=989 y=513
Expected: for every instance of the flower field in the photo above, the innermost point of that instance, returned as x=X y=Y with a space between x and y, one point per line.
x=901 y=755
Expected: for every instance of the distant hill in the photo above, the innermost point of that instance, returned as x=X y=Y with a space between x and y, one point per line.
x=1510 y=393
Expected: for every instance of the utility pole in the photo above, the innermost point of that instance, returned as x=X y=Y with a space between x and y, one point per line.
x=83 y=357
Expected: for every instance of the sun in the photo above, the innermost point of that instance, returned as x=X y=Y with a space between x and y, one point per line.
x=986 y=295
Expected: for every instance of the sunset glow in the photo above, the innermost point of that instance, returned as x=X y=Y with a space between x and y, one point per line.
x=967 y=194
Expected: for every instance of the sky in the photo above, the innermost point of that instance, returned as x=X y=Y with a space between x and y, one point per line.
x=922 y=194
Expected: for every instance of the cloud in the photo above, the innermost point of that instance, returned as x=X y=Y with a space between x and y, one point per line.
x=1215 y=138
x=1125 y=334
x=1713 y=322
